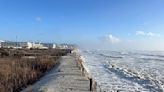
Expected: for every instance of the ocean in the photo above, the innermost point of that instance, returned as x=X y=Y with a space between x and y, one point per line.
x=126 y=71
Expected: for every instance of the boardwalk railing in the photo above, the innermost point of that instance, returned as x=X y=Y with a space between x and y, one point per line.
x=93 y=84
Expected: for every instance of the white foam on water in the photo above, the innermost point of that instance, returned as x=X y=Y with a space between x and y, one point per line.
x=126 y=71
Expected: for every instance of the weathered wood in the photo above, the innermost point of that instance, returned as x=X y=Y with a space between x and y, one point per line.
x=64 y=78
x=92 y=83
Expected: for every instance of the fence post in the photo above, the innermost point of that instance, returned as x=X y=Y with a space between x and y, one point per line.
x=90 y=79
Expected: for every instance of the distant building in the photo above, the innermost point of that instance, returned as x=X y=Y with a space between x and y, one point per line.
x=49 y=45
x=37 y=45
x=9 y=44
x=28 y=45
x=65 y=46
x=54 y=46
x=1 y=42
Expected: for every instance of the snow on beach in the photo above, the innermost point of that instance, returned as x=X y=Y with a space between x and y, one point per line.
x=126 y=71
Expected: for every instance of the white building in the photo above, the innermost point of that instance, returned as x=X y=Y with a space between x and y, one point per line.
x=62 y=46
x=28 y=45
x=49 y=45
x=9 y=44
x=65 y=46
x=54 y=46
x=37 y=45
x=1 y=42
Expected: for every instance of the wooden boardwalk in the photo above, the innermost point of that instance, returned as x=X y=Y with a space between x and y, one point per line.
x=66 y=77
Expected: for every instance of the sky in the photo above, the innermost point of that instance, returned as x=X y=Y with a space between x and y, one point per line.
x=99 y=24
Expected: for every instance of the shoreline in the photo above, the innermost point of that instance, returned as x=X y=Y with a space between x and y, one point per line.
x=94 y=87
x=127 y=73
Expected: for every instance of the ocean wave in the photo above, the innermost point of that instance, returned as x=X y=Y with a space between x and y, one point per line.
x=152 y=59
x=128 y=74
x=130 y=71
x=110 y=56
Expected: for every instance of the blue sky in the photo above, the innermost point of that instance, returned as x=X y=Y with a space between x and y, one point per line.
x=107 y=22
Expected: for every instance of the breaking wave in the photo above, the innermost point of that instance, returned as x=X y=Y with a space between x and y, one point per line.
x=126 y=71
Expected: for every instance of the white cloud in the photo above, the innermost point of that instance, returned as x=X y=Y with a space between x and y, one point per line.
x=38 y=19
x=142 y=33
x=152 y=34
x=111 y=42
x=112 y=39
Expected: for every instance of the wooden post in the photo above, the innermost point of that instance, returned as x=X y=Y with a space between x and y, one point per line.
x=82 y=71
x=90 y=84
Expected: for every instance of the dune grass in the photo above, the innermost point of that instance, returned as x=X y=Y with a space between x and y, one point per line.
x=17 y=72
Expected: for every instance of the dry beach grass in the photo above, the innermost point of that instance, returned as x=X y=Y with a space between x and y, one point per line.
x=18 y=71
